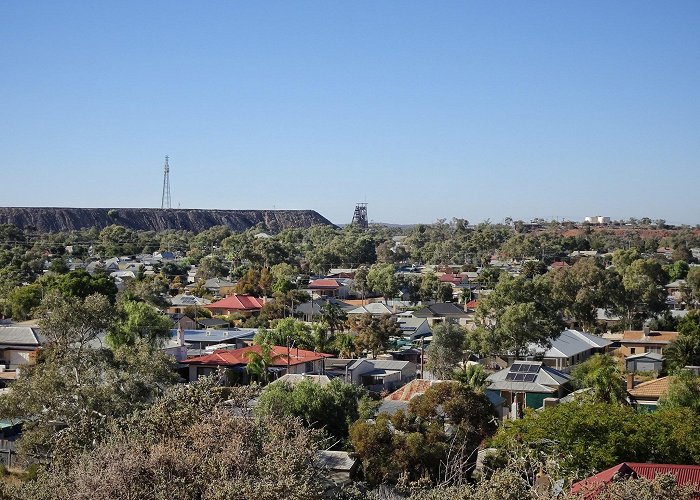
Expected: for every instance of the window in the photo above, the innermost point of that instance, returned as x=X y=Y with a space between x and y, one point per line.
x=308 y=367
x=633 y=350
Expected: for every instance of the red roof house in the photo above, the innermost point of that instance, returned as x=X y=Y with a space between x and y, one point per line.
x=685 y=474
x=284 y=361
x=236 y=303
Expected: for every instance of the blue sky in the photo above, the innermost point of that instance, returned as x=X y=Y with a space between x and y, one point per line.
x=422 y=109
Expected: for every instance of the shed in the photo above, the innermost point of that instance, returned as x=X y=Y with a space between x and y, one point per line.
x=645 y=362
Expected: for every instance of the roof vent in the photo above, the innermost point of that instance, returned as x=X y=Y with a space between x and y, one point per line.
x=646 y=330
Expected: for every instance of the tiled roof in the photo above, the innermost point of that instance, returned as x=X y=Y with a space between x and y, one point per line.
x=685 y=474
x=412 y=389
x=638 y=336
x=237 y=302
x=240 y=357
x=651 y=389
x=324 y=284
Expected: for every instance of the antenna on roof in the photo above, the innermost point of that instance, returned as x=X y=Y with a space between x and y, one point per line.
x=165 y=200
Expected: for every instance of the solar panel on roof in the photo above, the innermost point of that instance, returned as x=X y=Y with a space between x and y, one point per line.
x=530 y=377
x=533 y=368
x=520 y=377
x=510 y=376
x=515 y=367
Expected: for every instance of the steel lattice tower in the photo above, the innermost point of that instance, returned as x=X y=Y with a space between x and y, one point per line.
x=165 y=201
x=359 y=218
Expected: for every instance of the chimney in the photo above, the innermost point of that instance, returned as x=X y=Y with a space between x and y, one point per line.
x=180 y=336
x=646 y=330
x=630 y=381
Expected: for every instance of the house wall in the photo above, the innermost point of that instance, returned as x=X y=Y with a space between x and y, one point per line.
x=13 y=358
x=630 y=348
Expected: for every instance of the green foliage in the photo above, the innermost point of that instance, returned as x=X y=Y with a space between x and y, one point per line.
x=519 y=311
x=593 y=436
x=445 y=350
x=139 y=321
x=381 y=279
x=473 y=376
x=683 y=391
x=416 y=444
x=372 y=334
x=259 y=363
x=685 y=350
x=603 y=376
x=286 y=331
x=333 y=407
x=22 y=300
x=80 y=283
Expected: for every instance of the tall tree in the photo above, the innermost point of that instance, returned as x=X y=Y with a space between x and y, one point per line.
x=518 y=312
x=381 y=278
x=138 y=320
x=603 y=375
x=445 y=350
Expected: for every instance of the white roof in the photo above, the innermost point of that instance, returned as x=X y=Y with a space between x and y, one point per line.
x=372 y=308
x=537 y=378
x=570 y=343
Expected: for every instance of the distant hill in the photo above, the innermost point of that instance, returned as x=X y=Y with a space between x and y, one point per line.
x=51 y=219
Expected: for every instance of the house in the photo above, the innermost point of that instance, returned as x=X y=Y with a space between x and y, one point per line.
x=379 y=375
x=182 y=321
x=199 y=340
x=376 y=309
x=18 y=345
x=441 y=312
x=219 y=286
x=413 y=328
x=685 y=475
x=527 y=384
x=246 y=304
x=646 y=340
x=329 y=287
x=607 y=319
x=570 y=348
x=235 y=361
x=644 y=362
x=646 y=395
x=179 y=303
x=207 y=323
x=311 y=309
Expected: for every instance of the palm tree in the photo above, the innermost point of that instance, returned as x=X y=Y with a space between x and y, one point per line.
x=684 y=351
x=344 y=343
x=602 y=374
x=473 y=376
x=333 y=316
x=259 y=362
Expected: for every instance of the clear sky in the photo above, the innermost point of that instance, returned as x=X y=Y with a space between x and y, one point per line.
x=424 y=110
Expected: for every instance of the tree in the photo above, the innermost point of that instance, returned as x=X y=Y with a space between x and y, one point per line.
x=473 y=376
x=213 y=453
x=685 y=350
x=693 y=281
x=333 y=407
x=372 y=334
x=602 y=374
x=75 y=390
x=286 y=331
x=211 y=266
x=80 y=283
x=333 y=317
x=579 y=290
x=259 y=362
x=381 y=279
x=22 y=300
x=518 y=312
x=445 y=350
x=138 y=320
x=447 y=419
x=683 y=391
